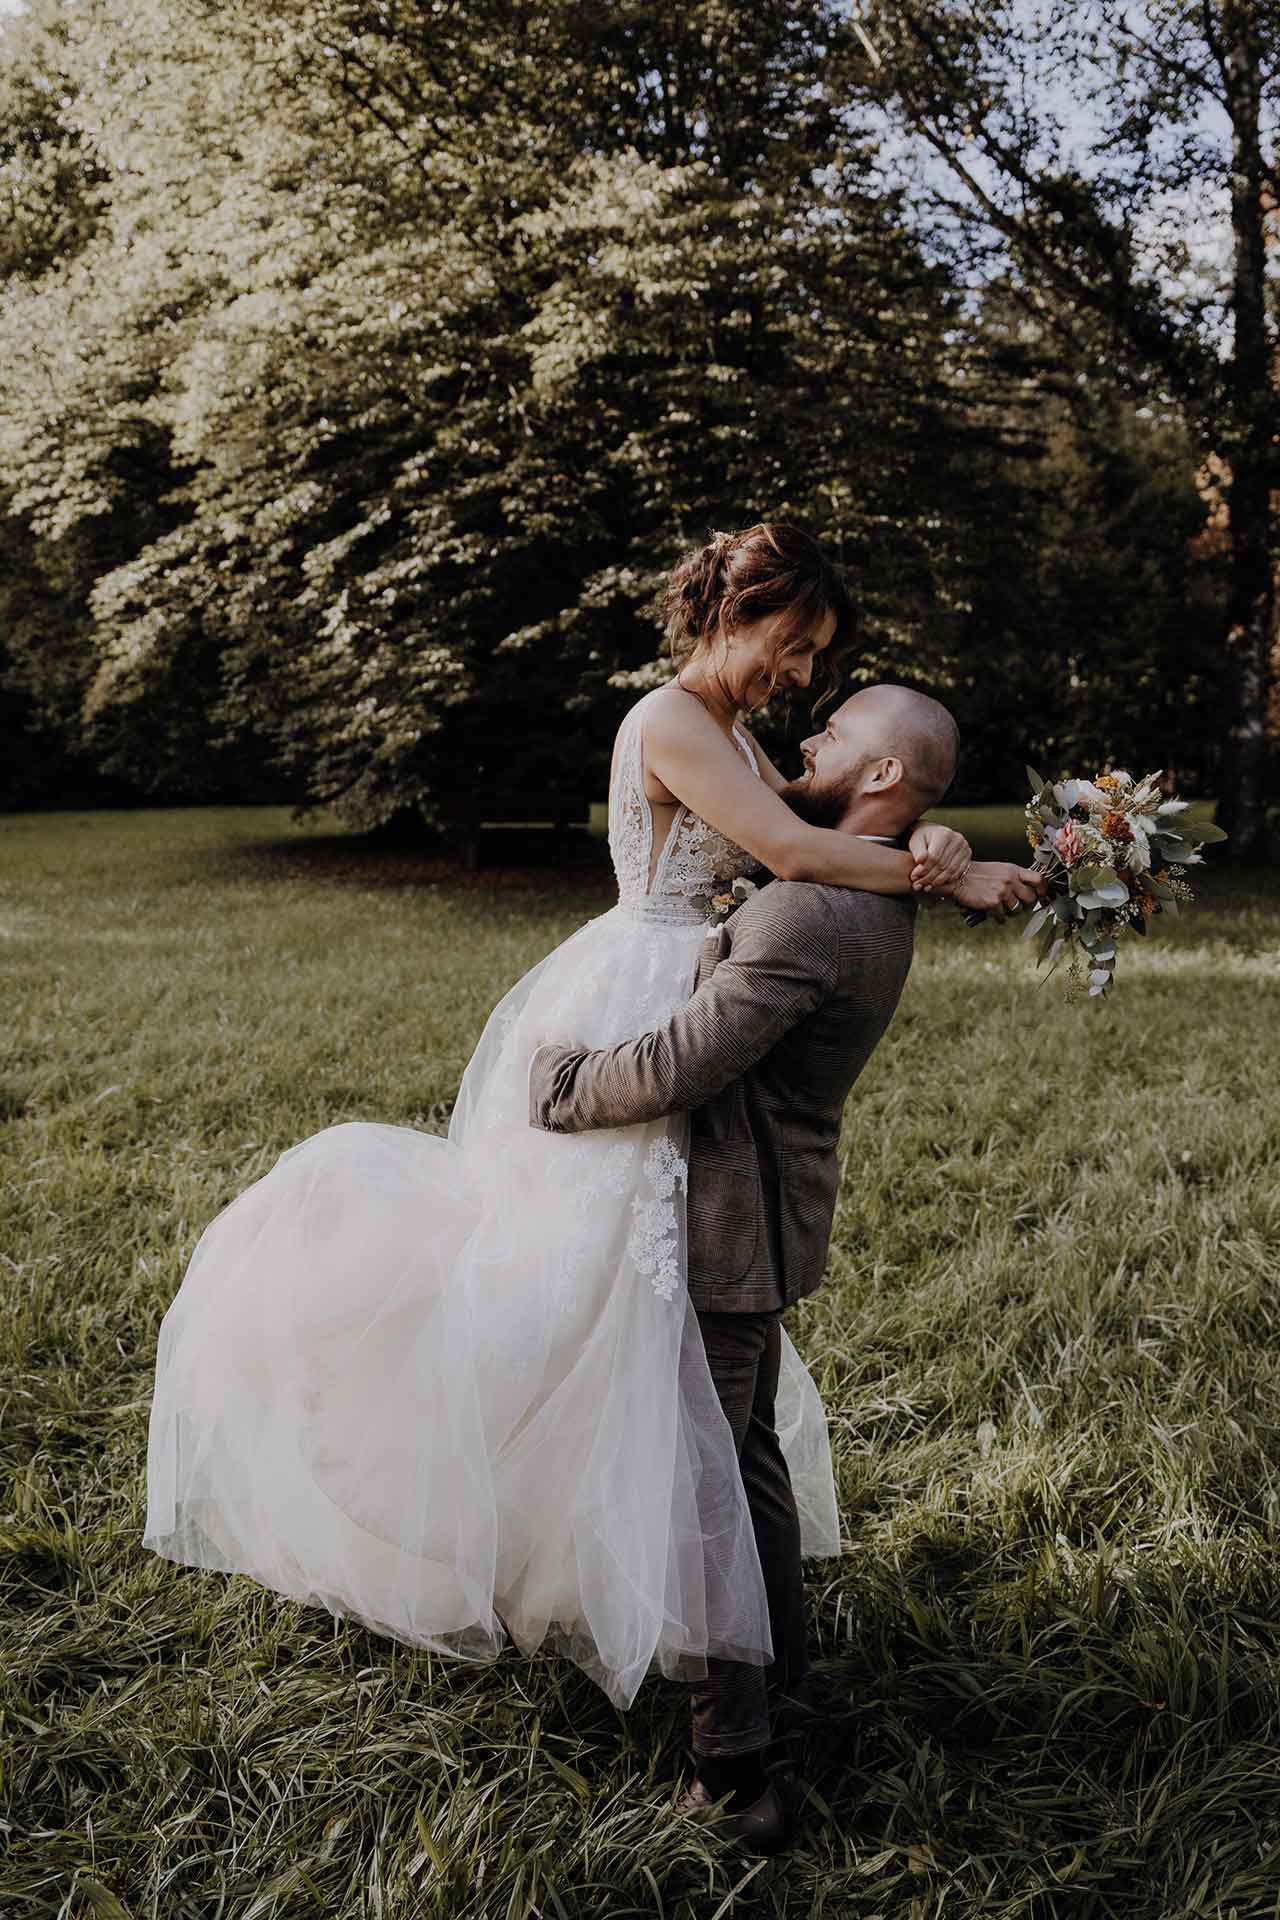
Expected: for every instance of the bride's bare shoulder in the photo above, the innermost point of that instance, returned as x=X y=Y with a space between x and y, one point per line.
x=679 y=726
x=675 y=717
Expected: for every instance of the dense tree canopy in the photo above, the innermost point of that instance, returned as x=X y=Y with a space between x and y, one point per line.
x=365 y=369
x=1099 y=147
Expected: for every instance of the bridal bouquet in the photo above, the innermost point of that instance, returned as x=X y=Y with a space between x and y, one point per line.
x=1113 y=850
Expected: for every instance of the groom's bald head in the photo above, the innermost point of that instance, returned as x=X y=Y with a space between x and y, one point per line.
x=884 y=756
x=915 y=727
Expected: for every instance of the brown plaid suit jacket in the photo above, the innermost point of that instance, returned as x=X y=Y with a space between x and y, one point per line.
x=793 y=994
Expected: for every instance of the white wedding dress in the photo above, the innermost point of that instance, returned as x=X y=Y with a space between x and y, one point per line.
x=454 y=1388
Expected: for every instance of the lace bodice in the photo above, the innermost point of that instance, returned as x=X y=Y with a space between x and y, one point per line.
x=696 y=859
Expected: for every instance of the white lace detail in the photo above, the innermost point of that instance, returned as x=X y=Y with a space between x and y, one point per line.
x=615 y=1169
x=630 y=820
x=654 y=1242
x=695 y=859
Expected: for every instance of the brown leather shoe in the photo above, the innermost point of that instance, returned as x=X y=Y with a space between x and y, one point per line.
x=761 y=1827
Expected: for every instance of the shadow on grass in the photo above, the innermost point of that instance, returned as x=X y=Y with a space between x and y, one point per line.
x=351 y=860
x=1086 y=1732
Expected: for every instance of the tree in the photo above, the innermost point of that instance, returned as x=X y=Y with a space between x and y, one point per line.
x=51 y=184
x=428 y=338
x=1082 y=142
x=1094 y=604
x=51 y=179
x=410 y=346
x=87 y=472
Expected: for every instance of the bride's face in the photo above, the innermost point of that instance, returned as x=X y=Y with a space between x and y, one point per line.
x=757 y=660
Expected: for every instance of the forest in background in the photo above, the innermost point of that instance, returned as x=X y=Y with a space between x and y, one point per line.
x=364 y=369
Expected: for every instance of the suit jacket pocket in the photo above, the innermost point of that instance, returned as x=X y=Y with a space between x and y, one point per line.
x=725 y=1211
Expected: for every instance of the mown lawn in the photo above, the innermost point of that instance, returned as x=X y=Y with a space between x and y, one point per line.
x=1048 y=1348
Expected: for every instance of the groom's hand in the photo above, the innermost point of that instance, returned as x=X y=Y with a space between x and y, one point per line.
x=784 y=961
x=998 y=887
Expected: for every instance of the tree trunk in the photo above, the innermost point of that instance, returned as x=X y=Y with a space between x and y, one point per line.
x=1251 y=604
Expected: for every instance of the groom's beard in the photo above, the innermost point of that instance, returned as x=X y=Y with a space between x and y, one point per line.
x=821 y=806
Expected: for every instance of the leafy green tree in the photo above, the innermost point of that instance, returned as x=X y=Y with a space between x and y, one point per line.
x=51 y=183
x=434 y=337
x=1085 y=143
x=51 y=179
x=1084 y=613
x=409 y=349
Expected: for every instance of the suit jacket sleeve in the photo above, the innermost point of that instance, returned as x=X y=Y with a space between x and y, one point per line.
x=784 y=962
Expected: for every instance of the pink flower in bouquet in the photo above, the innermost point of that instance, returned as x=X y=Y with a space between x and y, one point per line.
x=1068 y=845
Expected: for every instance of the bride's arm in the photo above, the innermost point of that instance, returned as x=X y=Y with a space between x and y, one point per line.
x=704 y=770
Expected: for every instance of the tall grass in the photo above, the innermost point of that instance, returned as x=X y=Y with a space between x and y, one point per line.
x=1048 y=1346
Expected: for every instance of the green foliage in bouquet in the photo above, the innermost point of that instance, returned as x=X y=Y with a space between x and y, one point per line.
x=1112 y=850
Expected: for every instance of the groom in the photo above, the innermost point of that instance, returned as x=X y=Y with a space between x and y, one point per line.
x=793 y=994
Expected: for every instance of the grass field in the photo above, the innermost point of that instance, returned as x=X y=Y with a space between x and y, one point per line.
x=1048 y=1347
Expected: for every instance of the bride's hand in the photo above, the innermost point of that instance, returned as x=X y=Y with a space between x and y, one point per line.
x=941 y=856
x=998 y=887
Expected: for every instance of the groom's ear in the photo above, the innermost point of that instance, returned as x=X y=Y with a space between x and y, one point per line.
x=888 y=772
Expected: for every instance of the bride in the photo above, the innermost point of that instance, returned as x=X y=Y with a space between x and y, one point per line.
x=454 y=1388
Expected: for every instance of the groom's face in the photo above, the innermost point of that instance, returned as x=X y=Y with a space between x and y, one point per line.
x=834 y=761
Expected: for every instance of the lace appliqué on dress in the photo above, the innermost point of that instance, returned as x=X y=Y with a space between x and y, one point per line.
x=698 y=859
x=654 y=1237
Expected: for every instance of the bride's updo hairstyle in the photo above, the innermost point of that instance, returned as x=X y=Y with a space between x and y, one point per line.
x=738 y=578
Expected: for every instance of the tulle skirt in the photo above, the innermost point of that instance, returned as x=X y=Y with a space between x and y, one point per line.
x=454 y=1388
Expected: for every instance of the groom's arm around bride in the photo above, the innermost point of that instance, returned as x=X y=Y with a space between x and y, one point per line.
x=793 y=995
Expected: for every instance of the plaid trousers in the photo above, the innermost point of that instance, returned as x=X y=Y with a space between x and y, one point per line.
x=737 y=1705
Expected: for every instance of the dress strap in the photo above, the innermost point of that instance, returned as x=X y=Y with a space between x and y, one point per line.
x=630 y=816
x=745 y=743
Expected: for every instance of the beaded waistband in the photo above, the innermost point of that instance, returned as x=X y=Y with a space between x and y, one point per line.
x=665 y=911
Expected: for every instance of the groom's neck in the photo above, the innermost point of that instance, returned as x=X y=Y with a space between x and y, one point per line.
x=887 y=817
